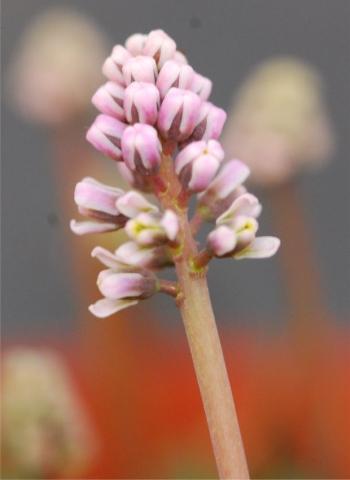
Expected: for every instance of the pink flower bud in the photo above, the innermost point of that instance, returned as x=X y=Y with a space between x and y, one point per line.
x=178 y=114
x=113 y=65
x=144 y=257
x=202 y=86
x=159 y=46
x=210 y=122
x=117 y=286
x=198 y=163
x=95 y=196
x=109 y=99
x=152 y=229
x=99 y=202
x=141 y=103
x=105 y=135
x=122 y=285
x=140 y=69
x=173 y=74
x=135 y=43
x=141 y=148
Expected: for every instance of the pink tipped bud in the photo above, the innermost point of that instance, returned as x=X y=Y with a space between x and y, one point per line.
x=178 y=114
x=113 y=65
x=105 y=135
x=159 y=46
x=99 y=202
x=93 y=195
x=125 y=285
x=198 y=163
x=140 y=69
x=141 y=103
x=210 y=122
x=109 y=99
x=122 y=284
x=149 y=229
x=202 y=86
x=176 y=75
x=135 y=43
x=141 y=148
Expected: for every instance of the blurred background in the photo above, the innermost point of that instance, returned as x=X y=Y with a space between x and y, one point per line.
x=126 y=383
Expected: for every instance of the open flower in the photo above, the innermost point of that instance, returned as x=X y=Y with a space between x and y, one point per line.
x=122 y=285
x=149 y=229
x=235 y=232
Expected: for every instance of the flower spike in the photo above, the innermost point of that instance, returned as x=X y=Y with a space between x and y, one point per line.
x=157 y=123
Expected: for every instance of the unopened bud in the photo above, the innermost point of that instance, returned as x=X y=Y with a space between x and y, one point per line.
x=141 y=103
x=105 y=135
x=176 y=75
x=141 y=148
x=178 y=114
x=210 y=122
x=159 y=46
x=140 y=69
x=198 y=163
x=109 y=99
x=113 y=65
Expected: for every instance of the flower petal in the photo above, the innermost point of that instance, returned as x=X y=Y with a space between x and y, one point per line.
x=246 y=204
x=108 y=259
x=261 y=247
x=222 y=240
x=121 y=285
x=83 y=228
x=133 y=203
x=105 y=307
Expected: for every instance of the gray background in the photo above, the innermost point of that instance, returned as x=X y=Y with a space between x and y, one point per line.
x=223 y=40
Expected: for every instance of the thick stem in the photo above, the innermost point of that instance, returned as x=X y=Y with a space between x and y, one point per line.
x=197 y=313
x=209 y=364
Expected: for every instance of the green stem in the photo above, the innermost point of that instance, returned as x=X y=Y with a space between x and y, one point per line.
x=204 y=342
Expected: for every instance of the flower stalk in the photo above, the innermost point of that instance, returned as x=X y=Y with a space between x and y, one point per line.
x=198 y=318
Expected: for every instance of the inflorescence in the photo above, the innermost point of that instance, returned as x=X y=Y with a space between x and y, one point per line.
x=156 y=122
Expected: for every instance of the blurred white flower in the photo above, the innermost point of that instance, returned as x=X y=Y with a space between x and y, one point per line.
x=278 y=123
x=45 y=430
x=56 y=66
